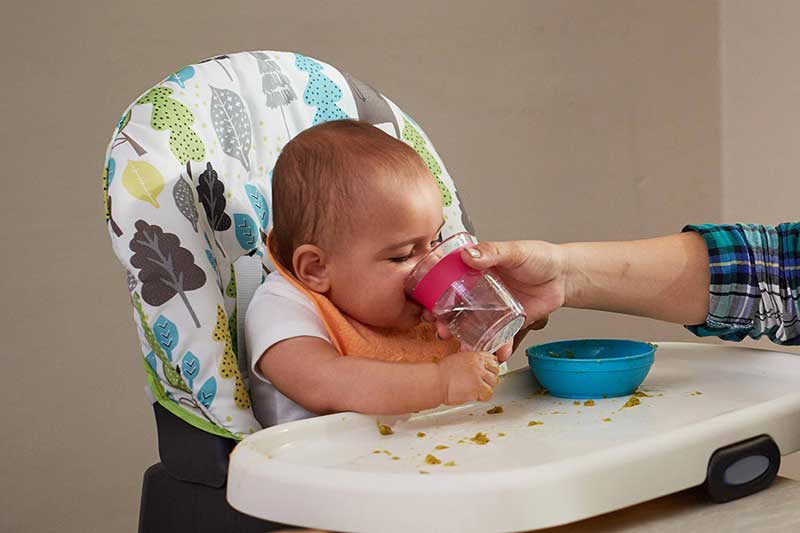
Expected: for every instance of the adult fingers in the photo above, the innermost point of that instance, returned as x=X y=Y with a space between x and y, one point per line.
x=487 y=254
x=504 y=352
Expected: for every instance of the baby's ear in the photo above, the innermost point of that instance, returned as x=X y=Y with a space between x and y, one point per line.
x=310 y=267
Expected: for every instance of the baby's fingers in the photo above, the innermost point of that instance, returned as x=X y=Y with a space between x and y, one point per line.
x=490 y=379
x=490 y=362
x=486 y=392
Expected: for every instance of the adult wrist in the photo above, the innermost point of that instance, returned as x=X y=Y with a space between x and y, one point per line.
x=574 y=277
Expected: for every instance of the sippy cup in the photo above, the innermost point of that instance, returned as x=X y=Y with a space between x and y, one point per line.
x=474 y=305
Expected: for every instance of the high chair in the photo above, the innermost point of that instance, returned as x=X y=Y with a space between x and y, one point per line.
x=188 y=203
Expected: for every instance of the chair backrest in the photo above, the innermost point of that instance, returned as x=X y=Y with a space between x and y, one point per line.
x=187 y=182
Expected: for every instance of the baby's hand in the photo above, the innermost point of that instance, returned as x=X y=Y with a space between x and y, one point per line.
x=468 y=376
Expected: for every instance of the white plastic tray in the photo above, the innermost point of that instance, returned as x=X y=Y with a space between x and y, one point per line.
x=324 y=472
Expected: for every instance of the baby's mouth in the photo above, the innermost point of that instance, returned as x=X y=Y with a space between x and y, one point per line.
x=415 y=305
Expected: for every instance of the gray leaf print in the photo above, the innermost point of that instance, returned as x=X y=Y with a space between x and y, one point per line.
x=231 y=124
x=370 y=105
x=275 y=84
x=184 y=200
x=131 y=279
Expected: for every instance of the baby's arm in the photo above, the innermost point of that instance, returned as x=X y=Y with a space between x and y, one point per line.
x=311 y=372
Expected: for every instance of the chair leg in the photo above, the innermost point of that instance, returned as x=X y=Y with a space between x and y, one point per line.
x=172 y=506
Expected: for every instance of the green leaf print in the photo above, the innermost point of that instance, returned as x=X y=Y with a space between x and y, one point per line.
x=173 y=378
x=230 y=290
x=417 y=141
x=170 y=114
x=232 y=327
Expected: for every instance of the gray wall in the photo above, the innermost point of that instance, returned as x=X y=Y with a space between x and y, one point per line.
x=559 y=120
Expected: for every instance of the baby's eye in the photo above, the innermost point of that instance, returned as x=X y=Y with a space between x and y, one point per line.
x=400 y=259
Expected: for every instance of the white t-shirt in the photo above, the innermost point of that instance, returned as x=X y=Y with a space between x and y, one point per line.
x=278 y=311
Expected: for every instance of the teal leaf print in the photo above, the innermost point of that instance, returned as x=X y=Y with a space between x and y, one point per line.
x=207 y=392
x=112 y=169
x=212 y=259
x=259 y=204
x=151 y=360
x=321 y=92
x=246 y=231
x=123 y=120
x=190 y=367
x=166 y=334
x=181 y=76
x=231 y=124
x=170 y=374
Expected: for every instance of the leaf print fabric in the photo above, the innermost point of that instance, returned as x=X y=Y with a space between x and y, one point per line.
x=212 y=195
x=259 y=204
x=228 y=367
x=181 y=76
x=232 y=124
x=184 y=201
x=165 y=269
x=411 y=135
x=170 y=114
x=143 y=181
x=186 y=191
x=275 y=85
x=321 y=92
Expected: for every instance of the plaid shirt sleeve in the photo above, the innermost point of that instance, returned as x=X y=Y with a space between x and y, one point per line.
x=755 y=280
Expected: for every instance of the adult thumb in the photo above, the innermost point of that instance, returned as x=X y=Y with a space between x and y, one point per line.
x=484 y=255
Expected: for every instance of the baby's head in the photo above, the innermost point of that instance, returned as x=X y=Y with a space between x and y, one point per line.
x=354 y=209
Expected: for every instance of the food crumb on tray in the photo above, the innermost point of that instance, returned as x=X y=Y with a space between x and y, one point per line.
x=432 y=460
x=633 y=401
x=480 y=438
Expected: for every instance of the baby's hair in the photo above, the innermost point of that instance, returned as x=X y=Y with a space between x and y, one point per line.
x=320 y=177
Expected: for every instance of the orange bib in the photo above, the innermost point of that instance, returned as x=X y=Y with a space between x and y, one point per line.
x=350 y=337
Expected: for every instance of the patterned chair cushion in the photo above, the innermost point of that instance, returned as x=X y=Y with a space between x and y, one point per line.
x=187 y=182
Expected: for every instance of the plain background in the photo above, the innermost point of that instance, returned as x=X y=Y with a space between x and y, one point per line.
x=559 y=120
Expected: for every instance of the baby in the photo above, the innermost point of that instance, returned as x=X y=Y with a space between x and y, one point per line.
x=354 y=210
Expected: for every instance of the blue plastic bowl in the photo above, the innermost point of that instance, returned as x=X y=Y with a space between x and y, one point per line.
x=591 y=368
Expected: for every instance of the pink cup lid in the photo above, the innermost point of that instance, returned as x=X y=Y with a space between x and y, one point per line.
x=439 y=269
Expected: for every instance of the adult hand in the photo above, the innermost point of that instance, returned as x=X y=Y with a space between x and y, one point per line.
x=534 y=271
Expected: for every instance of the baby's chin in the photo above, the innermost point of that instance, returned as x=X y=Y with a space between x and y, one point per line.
x=409 y=319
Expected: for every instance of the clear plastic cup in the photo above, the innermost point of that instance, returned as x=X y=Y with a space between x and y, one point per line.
x=475 y=305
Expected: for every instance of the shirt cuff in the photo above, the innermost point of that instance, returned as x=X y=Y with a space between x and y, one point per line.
x=731 y=288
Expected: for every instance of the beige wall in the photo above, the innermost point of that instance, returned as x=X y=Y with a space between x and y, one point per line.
x=761 y=115
x=559 y=120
